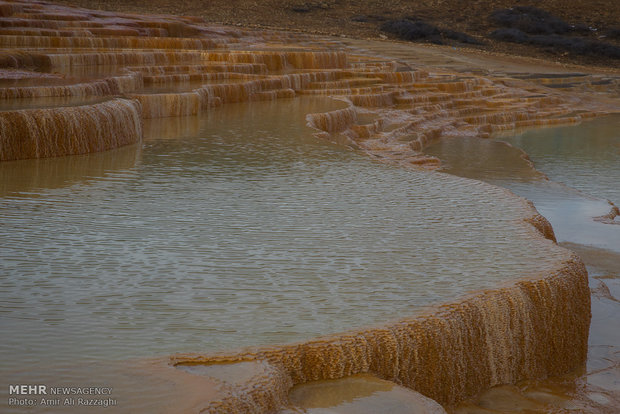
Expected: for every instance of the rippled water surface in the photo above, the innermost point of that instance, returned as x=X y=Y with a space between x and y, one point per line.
x=237 y=228
x=583 y=166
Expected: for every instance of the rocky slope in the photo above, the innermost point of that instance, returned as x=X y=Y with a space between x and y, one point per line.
x=593 y=35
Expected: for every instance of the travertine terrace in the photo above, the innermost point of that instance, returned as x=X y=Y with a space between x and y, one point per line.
x=70 y=61
x=533 y=329
x=74 y=81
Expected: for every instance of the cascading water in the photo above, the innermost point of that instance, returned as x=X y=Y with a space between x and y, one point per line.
x=533 y=329
x=40 y=133
x=141 y=68
x=456 y=102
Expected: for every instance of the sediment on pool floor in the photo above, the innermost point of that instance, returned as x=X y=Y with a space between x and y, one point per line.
x=359 y=394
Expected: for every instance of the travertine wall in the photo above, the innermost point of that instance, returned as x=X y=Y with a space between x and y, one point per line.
x=533 y=328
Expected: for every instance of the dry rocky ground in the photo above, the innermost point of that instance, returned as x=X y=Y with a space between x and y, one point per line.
x=590 y=22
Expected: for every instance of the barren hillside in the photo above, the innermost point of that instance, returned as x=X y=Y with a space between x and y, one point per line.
x=589 y=30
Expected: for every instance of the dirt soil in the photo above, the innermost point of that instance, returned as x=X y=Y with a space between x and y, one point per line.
x=362 y=18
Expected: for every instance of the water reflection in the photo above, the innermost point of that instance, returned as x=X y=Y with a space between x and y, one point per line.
x=29 y=177
x=245 y=229
x=583 y=169
x=586 y=158
x=570 y=185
